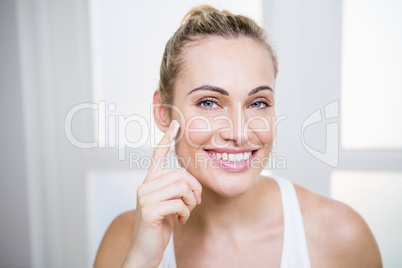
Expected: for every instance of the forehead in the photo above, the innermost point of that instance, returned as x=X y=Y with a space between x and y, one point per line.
x=233 y=64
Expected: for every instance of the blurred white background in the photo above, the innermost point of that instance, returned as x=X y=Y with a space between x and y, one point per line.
x=337 y=96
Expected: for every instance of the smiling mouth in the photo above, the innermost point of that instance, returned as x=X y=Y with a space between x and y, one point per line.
x=231 y=157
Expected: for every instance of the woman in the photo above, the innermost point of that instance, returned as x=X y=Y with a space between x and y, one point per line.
x=216 y=104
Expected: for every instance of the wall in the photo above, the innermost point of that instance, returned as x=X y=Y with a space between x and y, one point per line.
x=14 y=219
x=306 y=35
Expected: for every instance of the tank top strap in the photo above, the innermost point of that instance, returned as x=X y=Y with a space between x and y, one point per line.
x=294 y=250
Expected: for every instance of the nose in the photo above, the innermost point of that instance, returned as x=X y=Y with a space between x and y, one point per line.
x=237 y=129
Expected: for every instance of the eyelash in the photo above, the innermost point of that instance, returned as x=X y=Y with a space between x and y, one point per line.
x=264 y=101
x=201 y=101
x=215 y=101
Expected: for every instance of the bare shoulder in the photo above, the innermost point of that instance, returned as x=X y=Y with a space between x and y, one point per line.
x=337 y=236
x=116 y=241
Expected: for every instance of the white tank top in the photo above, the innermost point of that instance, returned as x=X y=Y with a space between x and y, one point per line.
x=294 y=250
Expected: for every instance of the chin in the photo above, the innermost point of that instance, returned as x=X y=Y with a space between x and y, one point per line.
x=230 y=187
x=228 y=184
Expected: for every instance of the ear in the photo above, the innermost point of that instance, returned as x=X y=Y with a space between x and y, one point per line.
x=161 y=113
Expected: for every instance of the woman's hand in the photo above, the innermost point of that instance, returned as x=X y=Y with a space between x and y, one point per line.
x=159 y=199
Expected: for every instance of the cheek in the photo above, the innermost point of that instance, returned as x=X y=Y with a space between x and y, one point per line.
x=196 y=134
x=265 y=138
x=264 y=128
x=197 y=131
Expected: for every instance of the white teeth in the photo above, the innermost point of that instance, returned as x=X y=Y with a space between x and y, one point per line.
x=243 y=156
x=232 y=157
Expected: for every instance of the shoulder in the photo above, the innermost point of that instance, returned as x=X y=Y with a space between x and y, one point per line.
x=336 y=234
x=116 y=241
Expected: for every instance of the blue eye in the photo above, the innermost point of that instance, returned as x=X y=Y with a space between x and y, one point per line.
x=258 y=104
x=208 y=104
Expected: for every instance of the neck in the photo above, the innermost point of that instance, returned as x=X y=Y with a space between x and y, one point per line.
x=218 y=214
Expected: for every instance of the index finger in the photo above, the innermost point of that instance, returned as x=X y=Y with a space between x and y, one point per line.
x=159 y=155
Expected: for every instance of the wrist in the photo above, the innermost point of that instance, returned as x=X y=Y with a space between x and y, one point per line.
x=137 y=261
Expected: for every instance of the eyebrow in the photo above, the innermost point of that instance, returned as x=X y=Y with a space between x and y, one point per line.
x=224 y=92
x=257 y=89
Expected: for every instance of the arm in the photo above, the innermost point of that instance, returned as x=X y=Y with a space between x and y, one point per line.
x=353 y=242
x=337 y=236
x=116 y=241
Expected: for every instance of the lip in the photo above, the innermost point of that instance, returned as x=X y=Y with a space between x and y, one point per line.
x=228 y=165
x=230 y=150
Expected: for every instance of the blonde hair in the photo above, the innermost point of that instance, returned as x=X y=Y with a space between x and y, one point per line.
x=199 y=23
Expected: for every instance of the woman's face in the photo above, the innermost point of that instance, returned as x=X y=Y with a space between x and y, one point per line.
x=224 y=102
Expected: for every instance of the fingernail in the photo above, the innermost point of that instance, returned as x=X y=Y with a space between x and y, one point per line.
x=176 y=129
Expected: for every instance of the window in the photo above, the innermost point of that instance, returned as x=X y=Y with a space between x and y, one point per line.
x=371 y=74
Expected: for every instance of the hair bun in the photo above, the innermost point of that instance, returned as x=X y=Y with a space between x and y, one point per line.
x=196 y=12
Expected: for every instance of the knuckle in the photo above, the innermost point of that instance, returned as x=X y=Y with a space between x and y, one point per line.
x=184 y=209
x=183 y=186
x=192 y=201
x=198 y=187
x=141 y=199
x=178 y=204
x=140 y=190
